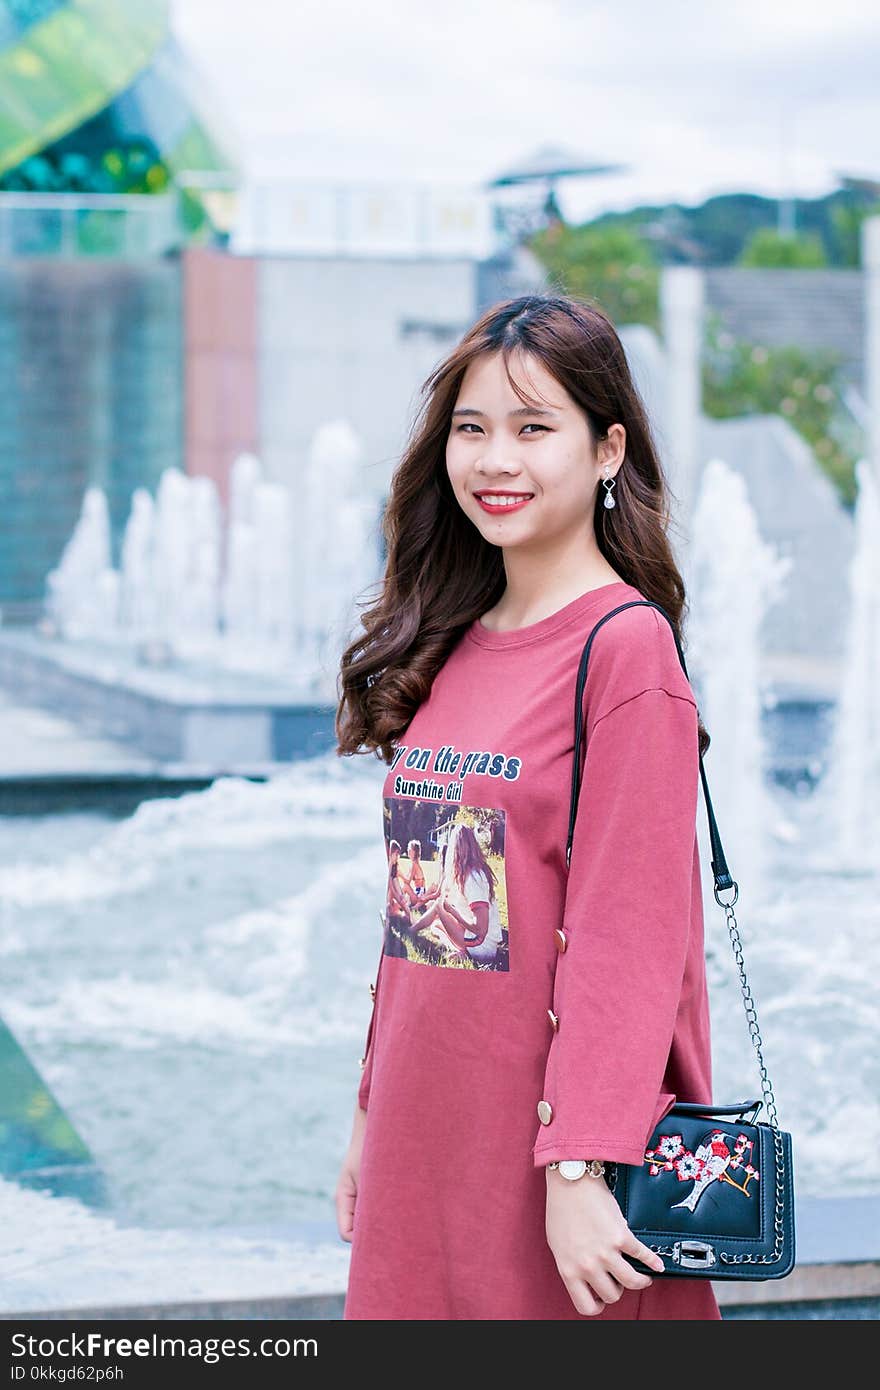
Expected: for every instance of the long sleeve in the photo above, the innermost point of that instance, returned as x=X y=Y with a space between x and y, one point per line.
x=366 y=1060
x=626 y=923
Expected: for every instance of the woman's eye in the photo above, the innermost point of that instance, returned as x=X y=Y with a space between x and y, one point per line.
x=469 y=425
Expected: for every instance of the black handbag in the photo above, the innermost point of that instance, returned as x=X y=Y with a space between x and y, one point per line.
x=714 y=1194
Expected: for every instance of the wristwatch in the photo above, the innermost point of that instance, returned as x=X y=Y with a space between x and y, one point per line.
x=574 y=1168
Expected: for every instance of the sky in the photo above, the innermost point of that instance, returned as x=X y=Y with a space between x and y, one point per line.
x=693 y=99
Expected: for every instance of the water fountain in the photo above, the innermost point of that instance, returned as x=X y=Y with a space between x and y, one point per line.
x=734 y=577
x=340 y=545
x=137 y=611
x=809 y=930
x=257 y=612
x=187 y=593
x=847 y=802
x=82 y=592
x=212 y=645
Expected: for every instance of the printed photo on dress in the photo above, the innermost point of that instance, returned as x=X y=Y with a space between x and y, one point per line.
x=446 y=898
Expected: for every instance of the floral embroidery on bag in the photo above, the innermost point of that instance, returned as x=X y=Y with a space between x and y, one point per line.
x=711 y=1162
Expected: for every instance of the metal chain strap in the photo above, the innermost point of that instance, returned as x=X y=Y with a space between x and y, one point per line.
x=748 y=1001
x=766 y=1087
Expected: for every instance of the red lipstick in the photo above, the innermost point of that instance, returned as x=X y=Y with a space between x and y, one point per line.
x=491 y=501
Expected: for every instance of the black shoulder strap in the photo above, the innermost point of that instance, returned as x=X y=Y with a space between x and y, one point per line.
x=719 y=863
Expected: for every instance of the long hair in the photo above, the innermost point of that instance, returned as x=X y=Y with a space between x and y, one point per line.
x=440 y=573
x=468 y=857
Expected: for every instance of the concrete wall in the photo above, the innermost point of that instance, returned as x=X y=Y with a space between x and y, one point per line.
x=352 y=338
x=220 y=386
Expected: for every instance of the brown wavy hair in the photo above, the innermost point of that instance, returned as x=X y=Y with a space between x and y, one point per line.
x=440 y=573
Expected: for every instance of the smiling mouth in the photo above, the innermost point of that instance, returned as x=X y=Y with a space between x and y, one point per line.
x=497 y=502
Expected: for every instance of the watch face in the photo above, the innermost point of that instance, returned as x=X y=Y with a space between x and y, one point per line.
x=572 y=1168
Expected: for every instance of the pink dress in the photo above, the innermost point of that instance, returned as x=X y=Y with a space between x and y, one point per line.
x=461 y=1047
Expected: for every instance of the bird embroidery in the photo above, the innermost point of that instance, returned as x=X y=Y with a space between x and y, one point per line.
x=711 y=1162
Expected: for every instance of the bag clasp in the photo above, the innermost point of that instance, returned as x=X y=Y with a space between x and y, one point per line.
x=693 y=1254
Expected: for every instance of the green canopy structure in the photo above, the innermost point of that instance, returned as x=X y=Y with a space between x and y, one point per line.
x=39 y=1146
x=96 y=96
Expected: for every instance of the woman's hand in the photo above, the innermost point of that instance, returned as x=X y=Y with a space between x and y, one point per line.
x=449 y=906
x=589 y=1237
x=347 y=1184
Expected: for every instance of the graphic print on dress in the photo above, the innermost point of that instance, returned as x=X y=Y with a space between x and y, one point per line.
x=712 y=1161
x=446 y=898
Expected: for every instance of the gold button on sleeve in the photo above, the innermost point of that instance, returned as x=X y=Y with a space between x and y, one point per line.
x=560 y=939
x=554 y=1020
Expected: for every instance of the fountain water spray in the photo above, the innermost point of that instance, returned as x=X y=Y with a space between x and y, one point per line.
x=734 y=577
x=264 y=597
x=339 y=552
x=847 y=800
x=82 y=591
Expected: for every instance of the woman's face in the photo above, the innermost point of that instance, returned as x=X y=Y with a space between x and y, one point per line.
x=536 y=470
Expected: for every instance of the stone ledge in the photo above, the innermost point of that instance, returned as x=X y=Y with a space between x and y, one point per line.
x=214 y=717
x=806 y=1282
x=806 y=1285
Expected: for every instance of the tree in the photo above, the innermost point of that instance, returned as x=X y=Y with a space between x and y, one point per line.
x=771 y=250
x=613 y=266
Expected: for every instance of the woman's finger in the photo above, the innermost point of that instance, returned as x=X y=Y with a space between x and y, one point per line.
x=345 y=1200
x=603 y=1285
x=633 y=1246
x=583 y=1297
x=629 y=1277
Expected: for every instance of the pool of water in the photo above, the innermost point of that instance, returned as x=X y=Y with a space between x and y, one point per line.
x=192 y=983
x=177 y=978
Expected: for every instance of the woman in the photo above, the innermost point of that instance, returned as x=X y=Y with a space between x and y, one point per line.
x=398 y=919
x=415 y=879
x=503 y=553
x=472 y=922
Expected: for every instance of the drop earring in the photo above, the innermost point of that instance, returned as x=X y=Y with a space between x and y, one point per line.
x=608 y=483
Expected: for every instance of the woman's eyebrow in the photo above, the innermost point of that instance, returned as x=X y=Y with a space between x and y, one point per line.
x=522 y=410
